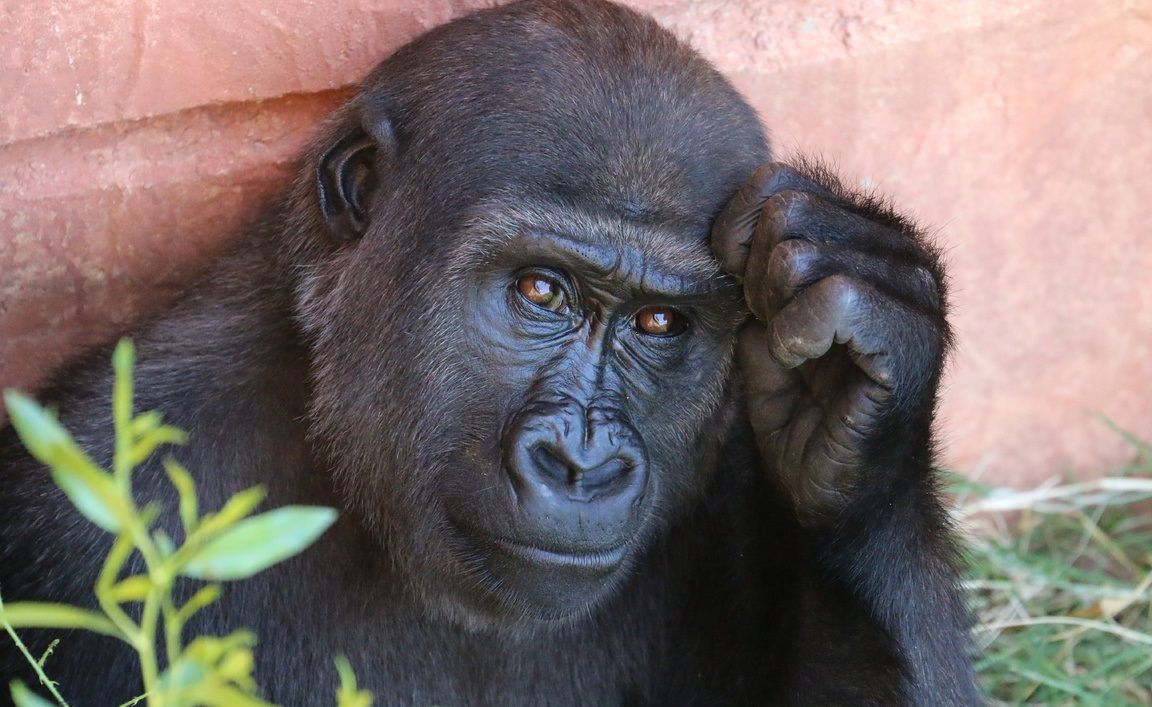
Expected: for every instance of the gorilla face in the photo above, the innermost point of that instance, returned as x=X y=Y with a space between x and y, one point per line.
x=545 y=400
x=520 y=343
x=599 y=350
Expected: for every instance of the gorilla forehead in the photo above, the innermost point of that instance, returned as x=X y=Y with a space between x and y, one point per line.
x=684 y=264
x=584 y=100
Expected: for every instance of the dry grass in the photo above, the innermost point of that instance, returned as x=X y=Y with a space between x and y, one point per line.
x=1061 y=579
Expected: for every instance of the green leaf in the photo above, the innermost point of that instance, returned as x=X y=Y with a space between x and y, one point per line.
x=23 y=697
x=164 y=544
x=189 y=507
x=202 y=598
x=183 y=674
x=237 y=507
x=94 y=496
x=147 y=515
x=210 y=650
x=347 y=695
x=123 y=359
x=346 y=673
x=31 y=614
x=90 y=489
x=134 y=588
x=145 y=422
x=259 y=542
x=209 y=664
x=237 y=666
x=117 y=556
x=148 y=443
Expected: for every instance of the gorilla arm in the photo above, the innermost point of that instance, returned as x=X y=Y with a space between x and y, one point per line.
x=840 y=365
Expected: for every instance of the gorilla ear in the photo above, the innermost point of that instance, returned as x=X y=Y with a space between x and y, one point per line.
x=346 y=179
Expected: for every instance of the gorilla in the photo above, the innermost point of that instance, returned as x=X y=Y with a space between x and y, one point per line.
x=616 y=409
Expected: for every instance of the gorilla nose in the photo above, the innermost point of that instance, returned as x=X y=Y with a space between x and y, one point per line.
x=579 y=476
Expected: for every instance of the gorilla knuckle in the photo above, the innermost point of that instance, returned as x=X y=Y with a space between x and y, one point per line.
x=842 y=293
x=793 y=264
x=771 y=177
x=791 y=210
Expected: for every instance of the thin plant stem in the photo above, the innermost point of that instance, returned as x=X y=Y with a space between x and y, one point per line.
x=117 y=556
x=36 y=667
x=173 y=627
x=146 y=646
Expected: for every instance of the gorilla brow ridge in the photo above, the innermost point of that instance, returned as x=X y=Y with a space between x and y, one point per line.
x=494 y=222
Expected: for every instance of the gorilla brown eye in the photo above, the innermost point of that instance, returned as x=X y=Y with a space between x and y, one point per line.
x=660 y=321
x=542 y=292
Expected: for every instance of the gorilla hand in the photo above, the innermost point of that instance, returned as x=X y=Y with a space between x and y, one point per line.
x=841 y=362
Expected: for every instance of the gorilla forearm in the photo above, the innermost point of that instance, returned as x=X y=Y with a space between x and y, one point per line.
x=841 y=362
x=898 y=563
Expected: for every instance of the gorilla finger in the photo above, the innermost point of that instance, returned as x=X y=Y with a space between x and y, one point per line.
x=768 y=235
x=797 y=214
x=795 y=264
x=758 y=279
x=893 y=344
x=771 y=389
x=735 y=226
x=813 y=321
x=792 y=266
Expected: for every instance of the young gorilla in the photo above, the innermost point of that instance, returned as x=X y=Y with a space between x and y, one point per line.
x=601 y=432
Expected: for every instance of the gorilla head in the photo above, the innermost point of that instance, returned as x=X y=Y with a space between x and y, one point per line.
x=520 y=343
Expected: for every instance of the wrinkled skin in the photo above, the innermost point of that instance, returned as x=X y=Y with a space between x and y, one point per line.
x=615 y=409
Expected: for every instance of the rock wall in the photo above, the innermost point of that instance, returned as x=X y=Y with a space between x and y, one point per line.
x=135 y=136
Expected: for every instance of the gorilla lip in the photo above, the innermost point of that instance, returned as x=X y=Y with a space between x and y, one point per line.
x=601 y=560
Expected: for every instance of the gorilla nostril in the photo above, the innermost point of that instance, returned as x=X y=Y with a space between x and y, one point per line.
x=560 y=471
x=604 y=475
x=551 y=467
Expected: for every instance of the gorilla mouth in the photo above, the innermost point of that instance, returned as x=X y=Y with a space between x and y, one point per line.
x=528 y=580
x=597 y=561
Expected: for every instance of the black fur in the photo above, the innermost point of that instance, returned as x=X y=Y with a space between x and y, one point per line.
x=363 y=347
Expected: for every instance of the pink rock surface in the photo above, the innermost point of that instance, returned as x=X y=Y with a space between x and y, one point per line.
x=135 y=137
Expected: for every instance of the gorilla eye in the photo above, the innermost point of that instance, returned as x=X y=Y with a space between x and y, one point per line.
x=660 y=321
x=542 y=292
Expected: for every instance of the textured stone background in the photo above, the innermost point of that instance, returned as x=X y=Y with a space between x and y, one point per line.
x=136 y=134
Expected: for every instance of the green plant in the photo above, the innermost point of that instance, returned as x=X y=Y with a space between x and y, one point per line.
x=1061 y=579
x=140 y=609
